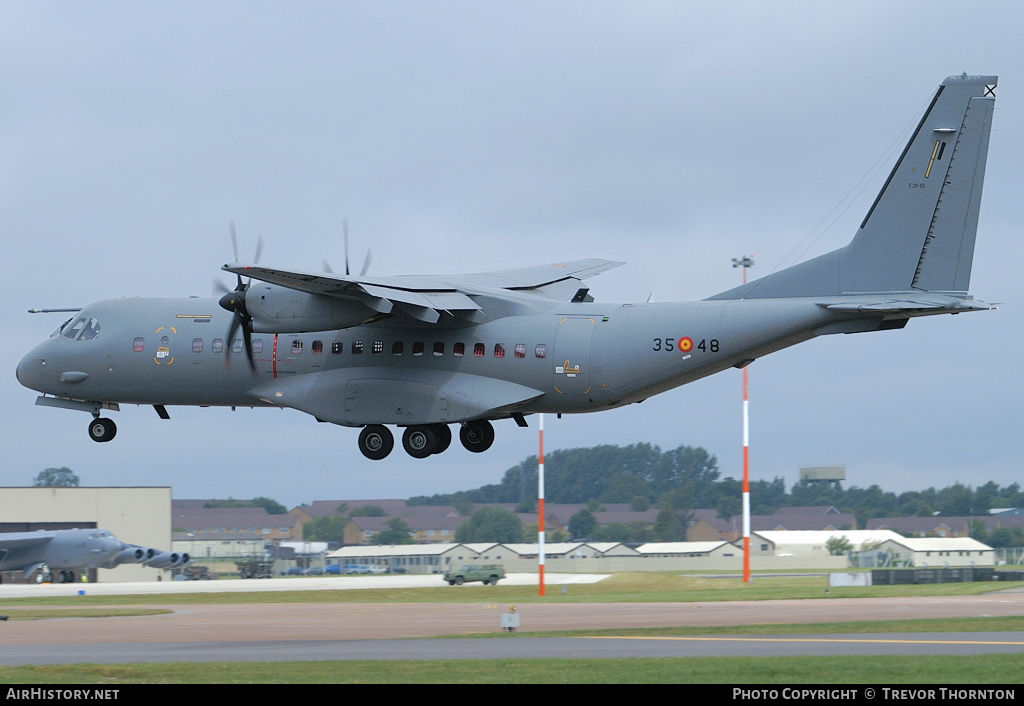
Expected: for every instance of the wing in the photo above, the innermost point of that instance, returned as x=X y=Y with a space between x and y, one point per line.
x=23 y=540
x=426 y=298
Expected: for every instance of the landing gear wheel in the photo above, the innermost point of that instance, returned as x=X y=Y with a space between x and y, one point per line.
x=477 y=436
x=444 y=437
x=420 y=441
x=376 y=442
x=102 y=429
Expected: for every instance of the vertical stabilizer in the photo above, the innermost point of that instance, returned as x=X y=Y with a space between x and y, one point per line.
x=919 y=233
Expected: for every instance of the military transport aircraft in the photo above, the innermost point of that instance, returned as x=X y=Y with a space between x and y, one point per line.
x=68 y=550
x=427 y=352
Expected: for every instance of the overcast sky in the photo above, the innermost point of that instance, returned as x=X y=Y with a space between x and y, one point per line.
x=468 y=136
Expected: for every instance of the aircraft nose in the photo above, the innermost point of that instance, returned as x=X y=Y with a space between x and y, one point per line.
x=30 y=369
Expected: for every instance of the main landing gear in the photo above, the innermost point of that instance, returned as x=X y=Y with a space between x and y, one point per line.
x=420 y=441
x=102 y=429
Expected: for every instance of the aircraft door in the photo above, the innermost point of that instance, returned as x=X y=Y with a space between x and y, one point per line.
x=571 y=357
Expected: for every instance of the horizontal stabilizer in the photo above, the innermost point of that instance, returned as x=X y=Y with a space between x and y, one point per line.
x=910 y=305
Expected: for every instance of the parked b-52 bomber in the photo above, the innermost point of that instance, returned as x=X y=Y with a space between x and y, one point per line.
x=58 y=553
x=424 y=353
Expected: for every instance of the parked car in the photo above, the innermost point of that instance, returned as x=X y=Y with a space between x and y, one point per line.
x=294 y=571
x=333 y=569
x=315 y=571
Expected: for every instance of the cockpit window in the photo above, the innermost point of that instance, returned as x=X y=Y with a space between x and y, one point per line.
x=84 y=329
x=60 y=329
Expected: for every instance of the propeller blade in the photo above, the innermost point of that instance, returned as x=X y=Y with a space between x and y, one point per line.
x=220 y=288
x=366 y=264
x=234 y=239
x=344 y=225
x=247 y=339
x=259 y=250
x=327 y=267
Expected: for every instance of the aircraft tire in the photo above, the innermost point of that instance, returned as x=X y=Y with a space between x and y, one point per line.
x=420 y=441
x=477 y=436
x=444 y=438
x=102 y=429
x=376 y=441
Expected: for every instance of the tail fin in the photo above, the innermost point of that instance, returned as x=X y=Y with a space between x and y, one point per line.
x=919 y=233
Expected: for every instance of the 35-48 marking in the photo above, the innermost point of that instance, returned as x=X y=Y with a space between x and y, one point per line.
x=686 y=345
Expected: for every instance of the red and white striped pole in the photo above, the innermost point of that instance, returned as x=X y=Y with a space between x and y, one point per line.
x=745 y=263
x=540 y=505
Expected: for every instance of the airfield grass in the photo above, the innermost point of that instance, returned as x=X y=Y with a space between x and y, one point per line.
x=627 y=587
x=635 y=587
x=895 y=670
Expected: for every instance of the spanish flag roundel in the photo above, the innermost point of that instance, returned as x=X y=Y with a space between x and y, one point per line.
x=686 y=344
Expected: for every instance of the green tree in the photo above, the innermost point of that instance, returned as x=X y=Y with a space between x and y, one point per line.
x=269 y=504
x=398 y=532
x=56 y=478
x=837 y=545
x=490 y=524
x=368 y=511
x=668 y=527
x=330 y=528
x=582 y=525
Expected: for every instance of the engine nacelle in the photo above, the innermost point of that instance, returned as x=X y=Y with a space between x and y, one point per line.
x=168 y=560
x=281 y=310
x=129 y=555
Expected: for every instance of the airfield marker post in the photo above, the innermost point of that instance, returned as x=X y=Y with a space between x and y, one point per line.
x=540 y=505
x=745 y=263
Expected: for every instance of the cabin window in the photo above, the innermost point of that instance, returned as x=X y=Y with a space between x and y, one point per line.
x=337 y=348
x=417 y=348
x=197 y=345
x=439 y=348
x=479 y=350
x=357 y=347
x=378 y=347
x=541 y=351
x=296 y=347
x=217 y=345
x=257 y=345
x=520 y=350
x=499 y=350
x=318 y=347
x=397 y=348
x=139 y=344
x=459 y=350
x=236 y=345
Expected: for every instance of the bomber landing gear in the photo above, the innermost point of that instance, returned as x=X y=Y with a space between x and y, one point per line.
x=376 y=441
x=102 y=429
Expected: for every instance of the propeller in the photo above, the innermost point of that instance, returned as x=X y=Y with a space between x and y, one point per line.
x=234 y=301
x=366 y=263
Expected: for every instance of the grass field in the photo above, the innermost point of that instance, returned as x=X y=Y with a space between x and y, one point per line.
x=633 y=587
x=943 y=670
x=637 y=587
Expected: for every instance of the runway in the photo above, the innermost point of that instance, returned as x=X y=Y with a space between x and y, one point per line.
x=272 y=631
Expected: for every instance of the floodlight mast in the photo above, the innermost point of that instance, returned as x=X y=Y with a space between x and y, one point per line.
x=745 y=263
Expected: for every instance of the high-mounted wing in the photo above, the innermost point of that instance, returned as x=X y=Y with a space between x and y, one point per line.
x=424 y=298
